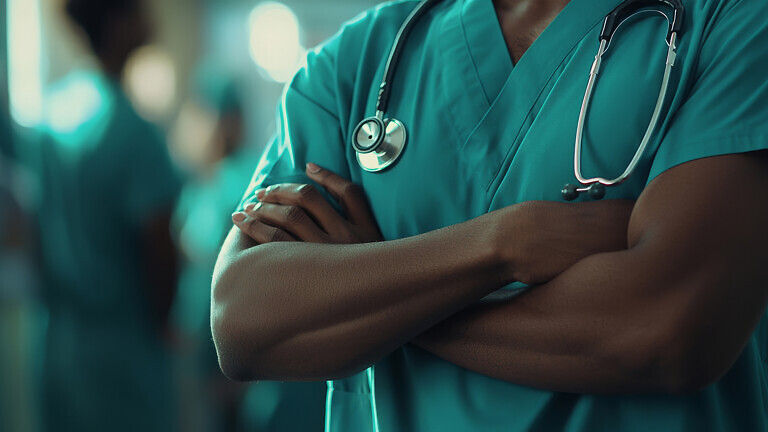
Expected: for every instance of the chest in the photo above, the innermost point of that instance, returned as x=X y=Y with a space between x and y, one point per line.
x=471 y=151
x=523 y=21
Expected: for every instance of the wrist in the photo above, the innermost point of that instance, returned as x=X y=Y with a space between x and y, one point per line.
x=498 y=242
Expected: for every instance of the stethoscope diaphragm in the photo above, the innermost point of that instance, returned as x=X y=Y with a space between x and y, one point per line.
x=379 y=143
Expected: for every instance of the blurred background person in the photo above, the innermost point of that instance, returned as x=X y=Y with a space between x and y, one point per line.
x=19 y=309
x=18 y=290
x=81 y=97
x=18 y=306
x=212 y=122
x=108 y=189
x=214 y=111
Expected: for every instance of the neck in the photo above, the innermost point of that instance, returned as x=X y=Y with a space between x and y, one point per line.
x=512 y=5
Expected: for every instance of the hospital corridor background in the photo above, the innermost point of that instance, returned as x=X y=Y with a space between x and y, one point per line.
x=129 y=130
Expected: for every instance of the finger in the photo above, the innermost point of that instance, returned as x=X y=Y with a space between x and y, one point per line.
x=308 y=198
x=291 y=219
x=260 y=232
x=349 y=195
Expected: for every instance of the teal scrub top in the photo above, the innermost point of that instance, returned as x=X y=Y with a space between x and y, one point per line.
x=104 y=172
x=485 y=133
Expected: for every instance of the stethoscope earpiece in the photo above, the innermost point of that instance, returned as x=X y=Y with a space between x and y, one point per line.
x=570 y=192
x=596 y=191
x=596 y=186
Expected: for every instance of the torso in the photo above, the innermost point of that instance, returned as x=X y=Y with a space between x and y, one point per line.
x=522 y=21
x=482 y=136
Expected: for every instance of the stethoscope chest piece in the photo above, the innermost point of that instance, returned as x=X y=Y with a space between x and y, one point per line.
x=379 y=143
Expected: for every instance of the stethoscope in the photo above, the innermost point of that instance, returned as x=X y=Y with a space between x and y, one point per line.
x=379 y=142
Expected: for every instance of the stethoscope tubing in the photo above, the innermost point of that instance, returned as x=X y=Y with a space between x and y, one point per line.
x=376 y=149
x=385 y=89
x=670 y=63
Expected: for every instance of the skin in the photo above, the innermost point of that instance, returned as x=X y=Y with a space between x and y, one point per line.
x=522 y=21
x=312 y=301
x=638 y=322
x=630 y=296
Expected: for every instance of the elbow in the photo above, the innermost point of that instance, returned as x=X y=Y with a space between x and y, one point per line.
x=250 y=349
x=258 y=337
x=234 y=360
x=234 y=370
x=243 y=353
x=687 y=380
x=690 y=369
x=231 y=337
x=672 y=366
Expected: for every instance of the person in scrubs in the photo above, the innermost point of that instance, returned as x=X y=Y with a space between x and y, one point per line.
x=108 y=191
x=203 y=216
x=18 y=289
x=644 y=311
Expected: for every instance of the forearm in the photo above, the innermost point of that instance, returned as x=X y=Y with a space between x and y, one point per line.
x=669 y=314
x=343 y=306
x=567 y=335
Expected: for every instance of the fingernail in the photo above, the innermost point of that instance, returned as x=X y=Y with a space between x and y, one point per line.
x=313 y=169
x=270 y=189
x=251 y=208
x=260 y=193
x=239 y=217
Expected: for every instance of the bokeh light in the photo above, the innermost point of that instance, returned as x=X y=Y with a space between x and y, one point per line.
x=274 y=40
x=150 y=78
x=25 y=61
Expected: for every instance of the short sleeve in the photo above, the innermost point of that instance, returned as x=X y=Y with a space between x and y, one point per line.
x=152 y=183
x=726 y=109
x=310 y=116
x=306 y=133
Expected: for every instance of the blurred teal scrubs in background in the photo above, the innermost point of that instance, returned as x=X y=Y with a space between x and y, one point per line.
x=485 y=133
x=204 y=218
x=105 y=172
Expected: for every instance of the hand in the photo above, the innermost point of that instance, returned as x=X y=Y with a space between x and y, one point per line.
x=546 y=238
x=299 y=212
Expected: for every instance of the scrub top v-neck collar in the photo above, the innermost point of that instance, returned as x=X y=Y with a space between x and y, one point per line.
x=478 y=55
x=495 y=94
x=485 y=43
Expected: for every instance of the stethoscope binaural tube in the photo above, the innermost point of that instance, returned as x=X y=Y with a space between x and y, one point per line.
x=596 y=187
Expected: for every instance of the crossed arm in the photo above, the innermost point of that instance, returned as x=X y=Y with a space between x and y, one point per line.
x=629 y=309
x=669 y=314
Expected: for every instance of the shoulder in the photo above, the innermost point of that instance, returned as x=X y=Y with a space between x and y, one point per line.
x=717 y=30
x=353 y=54
x=365 y=30
x=711 y=13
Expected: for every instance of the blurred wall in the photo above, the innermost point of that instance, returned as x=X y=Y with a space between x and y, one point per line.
x=190 y=31
x=226 y=38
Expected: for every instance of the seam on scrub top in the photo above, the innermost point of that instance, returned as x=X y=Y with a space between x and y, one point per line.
x=340 y=129
x=292 y=88
x=508 y=155
x=740 y=143
x=460 y=138
x=469 y=50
